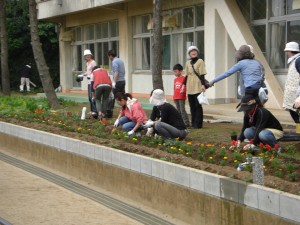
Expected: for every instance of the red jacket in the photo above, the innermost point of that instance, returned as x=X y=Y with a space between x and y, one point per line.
x=178 y=81
x=101 y=77
x=134 y=111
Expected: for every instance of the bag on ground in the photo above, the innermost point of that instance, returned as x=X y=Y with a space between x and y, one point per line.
x=202 y=99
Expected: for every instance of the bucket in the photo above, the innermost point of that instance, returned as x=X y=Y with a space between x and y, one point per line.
x=298 y=128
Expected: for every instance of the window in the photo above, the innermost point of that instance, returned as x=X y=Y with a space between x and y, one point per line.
x=273 y=24
x=99 y=38
x=182 y=28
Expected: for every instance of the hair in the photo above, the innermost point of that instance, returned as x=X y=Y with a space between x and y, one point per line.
x=294 y=52
x=178 y=67
x=95 y=67
x=119 y=96
x=112 y=53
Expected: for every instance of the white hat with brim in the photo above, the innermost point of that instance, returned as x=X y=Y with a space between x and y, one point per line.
x=191 y=48
x=292 y=46
x=158 y=97
x=87 y=52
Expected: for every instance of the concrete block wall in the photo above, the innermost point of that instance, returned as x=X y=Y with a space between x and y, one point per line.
x=195 y=184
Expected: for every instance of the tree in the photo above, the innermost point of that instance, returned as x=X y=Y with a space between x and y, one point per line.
x=39 y=57
x=157 y=50
x=4 y=51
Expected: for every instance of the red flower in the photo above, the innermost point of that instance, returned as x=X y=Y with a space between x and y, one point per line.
x=251 y=141
x=268 y=147
x=276 y=146
x=234 y=143
x=261 y=145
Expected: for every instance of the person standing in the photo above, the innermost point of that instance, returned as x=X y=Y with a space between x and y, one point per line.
x=118 y=82
x=101 y=91
x=251 y=70
x=194 y=84
x=292 y=84
x=179 y=96
x=90 y=64
x=25 y=77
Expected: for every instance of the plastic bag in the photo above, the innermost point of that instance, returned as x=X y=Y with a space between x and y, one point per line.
x=263 y=96
x=202 y=99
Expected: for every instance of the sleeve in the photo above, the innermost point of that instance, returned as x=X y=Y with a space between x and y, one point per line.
x=297 y=64
x=245 y=125
x=138 y=113
x=262 y=119
x=201 y=68
x=228 y=73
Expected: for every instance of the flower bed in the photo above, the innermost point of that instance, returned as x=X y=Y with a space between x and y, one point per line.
x=215 y=157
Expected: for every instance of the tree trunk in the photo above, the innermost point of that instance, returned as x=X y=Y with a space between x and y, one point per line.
x=4 y=51
x=39 y=57
x=157 y=50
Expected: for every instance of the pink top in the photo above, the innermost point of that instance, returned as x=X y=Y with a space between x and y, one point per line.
x=136 y=113
x=89 y=69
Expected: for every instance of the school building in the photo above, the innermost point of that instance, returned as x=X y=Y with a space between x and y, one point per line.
x=217 y=27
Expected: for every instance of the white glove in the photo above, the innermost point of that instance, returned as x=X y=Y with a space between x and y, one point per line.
x=130 y=132
x=149 y=132
x=148 y=124
x=113 y=84
x=297 y=103
x=249 y=147
x=116 y=123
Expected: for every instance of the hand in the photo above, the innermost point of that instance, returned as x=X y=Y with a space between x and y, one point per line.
x=88 y=77
x=93 y=99
x=249 y=147
x=203 y=89
x=148 y=124
x=130 y=132
x=210 y=84
x=297 y=103
x=116 y=123
x=182 y=89
x=149 y=132
x=113 y=85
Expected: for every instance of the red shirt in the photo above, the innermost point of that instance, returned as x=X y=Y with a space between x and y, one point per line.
x=101 y=77
x=178 y=81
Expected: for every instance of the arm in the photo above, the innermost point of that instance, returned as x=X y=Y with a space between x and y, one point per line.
x=228 y=73
x=297 y=64
x=262 y=119
x=138 y=114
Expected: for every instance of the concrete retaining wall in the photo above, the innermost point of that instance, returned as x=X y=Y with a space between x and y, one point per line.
x=193 y=196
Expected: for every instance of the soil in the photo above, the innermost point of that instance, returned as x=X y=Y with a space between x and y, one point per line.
x=228 y=171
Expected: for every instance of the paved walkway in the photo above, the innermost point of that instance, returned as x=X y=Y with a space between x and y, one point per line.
x=29 y=200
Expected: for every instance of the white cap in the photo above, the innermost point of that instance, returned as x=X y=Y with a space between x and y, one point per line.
x=191 y=48
x=158 y=97
x=87 y=52
x=292 y=46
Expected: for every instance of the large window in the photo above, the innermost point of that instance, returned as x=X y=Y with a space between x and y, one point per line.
x=181 y=29
x=273 y=23
x=99 y=38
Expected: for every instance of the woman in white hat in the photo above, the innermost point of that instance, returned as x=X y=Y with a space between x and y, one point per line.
x=195 y=84
x=170 y=124
x=90 y=64
x=292 y=84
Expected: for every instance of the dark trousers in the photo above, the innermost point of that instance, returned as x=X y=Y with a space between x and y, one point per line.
x=196 y=111
x=120 y=87
x=92 y=103
x=295 y=116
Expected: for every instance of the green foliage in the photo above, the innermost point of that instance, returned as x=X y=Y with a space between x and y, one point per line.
x=275 y=163
x=19 y=43
x=290 y=167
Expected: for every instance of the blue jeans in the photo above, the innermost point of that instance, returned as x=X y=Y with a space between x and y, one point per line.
x=265 y=136
x=126 y=123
